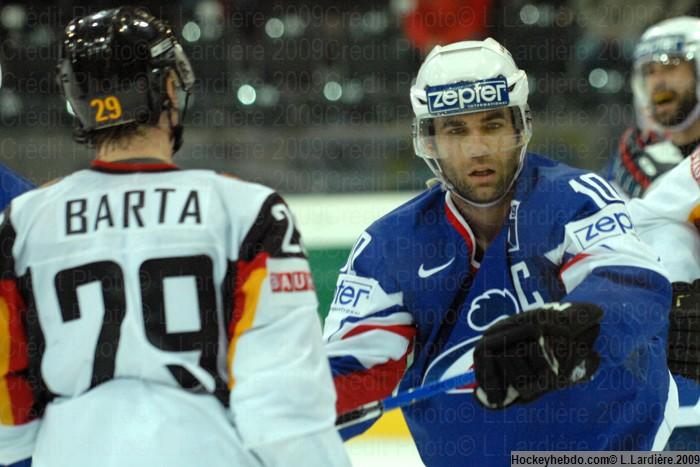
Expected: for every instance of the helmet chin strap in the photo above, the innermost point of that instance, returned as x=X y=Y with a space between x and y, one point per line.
x=453 y=190
x=176 y=130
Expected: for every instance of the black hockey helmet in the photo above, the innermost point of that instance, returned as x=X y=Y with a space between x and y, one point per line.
x=113 y=71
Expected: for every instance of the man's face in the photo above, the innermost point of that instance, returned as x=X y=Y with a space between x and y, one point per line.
x=479 y=152
x=671 y=89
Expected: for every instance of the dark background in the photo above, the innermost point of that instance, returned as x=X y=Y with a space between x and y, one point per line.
x=313 y=96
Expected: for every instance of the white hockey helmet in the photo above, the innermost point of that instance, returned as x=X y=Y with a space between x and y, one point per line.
x=665 y=42
x=468 y=77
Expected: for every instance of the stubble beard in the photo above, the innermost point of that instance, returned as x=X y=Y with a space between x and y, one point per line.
x=686 y=104
x=470 y=192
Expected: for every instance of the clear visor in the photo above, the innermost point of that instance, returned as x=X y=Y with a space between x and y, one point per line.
x=488 y=133
x=657 y=80
x=646 y=66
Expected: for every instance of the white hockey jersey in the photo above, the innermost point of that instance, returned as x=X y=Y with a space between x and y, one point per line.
x=157 y=316
x=668 y=217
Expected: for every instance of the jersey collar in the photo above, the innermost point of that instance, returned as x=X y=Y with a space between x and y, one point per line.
x=133 y=165
x=458 y=222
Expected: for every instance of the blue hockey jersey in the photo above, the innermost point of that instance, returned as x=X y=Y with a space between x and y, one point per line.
x=414 y=298
x=11 y=186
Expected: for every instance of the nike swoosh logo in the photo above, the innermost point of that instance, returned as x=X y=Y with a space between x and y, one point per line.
x=423 y=273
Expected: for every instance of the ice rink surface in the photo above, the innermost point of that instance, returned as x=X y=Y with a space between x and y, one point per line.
x=383 y=452
x=387 y=443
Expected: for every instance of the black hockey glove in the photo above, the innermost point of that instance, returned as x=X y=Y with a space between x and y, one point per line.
x=684 y=331
x=526 y=355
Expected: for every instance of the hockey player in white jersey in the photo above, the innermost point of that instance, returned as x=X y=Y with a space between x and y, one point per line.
x=668 y=219
x=153 y=316
x=666 y=87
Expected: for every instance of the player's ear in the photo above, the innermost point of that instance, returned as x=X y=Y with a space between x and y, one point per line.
x=171 y=84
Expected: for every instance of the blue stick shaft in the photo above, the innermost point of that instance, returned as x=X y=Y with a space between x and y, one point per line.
x=376 y=409
x=424 y=392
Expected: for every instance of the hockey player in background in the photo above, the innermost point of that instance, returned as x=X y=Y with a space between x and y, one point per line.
x=11 y=186
x=523 y=268
x=666 y=89
x=668 y=218
x=154 y=316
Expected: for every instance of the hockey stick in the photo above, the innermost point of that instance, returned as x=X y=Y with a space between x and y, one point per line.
x=376 y=409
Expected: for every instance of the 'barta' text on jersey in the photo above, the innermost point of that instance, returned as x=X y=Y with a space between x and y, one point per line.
x=134 y=208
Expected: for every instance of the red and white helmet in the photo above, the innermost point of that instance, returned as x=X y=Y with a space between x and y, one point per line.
x=664 y=42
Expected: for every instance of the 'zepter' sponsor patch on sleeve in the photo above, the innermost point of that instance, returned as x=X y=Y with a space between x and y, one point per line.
x=352 y=294
x=611 y=221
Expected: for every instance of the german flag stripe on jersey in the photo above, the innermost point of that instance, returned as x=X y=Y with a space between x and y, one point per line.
x=251 y=276
x=265 y=239
x=16 y=397
x=694 y=216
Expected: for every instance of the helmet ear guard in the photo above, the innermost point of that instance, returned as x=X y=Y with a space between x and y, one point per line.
x=176 y=64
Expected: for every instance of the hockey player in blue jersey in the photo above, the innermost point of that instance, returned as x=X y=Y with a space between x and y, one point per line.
x=11 y=186
x=528 y=270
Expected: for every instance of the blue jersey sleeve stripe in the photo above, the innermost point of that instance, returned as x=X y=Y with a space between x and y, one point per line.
x=377 y=314
x=345 y=365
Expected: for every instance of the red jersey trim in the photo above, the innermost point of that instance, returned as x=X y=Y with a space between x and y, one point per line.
x=572 y=261
x=128 y=167
x=626 y=158
x=461 y=226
